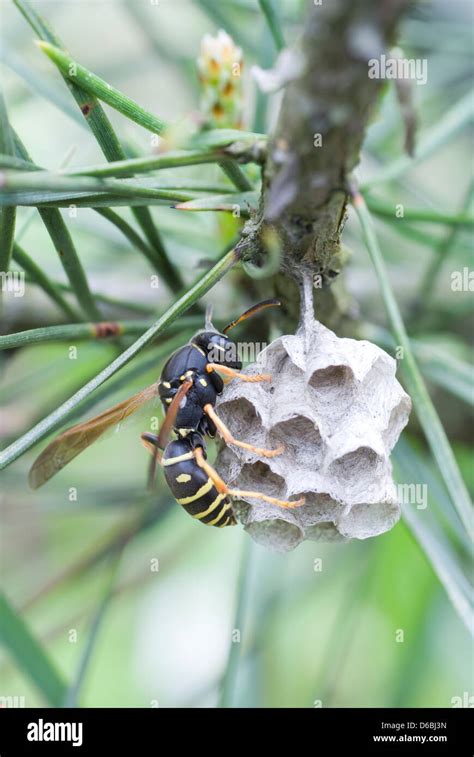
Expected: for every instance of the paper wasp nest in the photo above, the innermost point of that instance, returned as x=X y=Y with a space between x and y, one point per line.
x=338 y=409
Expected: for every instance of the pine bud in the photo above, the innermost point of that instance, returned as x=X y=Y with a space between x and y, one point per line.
x=220 y=66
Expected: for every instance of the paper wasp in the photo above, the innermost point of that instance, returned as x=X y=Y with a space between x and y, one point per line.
x=188 y=388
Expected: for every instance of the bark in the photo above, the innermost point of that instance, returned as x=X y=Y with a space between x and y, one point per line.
x=304 y=197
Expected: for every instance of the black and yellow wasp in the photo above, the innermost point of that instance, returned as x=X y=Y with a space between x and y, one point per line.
x=188 y=388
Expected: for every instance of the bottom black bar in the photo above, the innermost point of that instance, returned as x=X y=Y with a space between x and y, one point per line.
x=378 y=731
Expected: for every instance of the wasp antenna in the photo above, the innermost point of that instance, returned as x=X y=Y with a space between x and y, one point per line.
x=208 y=322
x=250 y=312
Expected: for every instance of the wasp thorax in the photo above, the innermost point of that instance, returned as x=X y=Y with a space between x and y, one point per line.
x=338 y=409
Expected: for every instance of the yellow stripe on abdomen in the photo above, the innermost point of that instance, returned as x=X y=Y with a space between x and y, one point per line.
x=218 y=517
x=200 y=493
x=178 y=458
x=211 y=507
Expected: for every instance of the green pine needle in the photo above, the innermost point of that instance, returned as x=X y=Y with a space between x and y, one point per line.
x=50 y=288
x=387 y=211
x=74 y=331
x=455 y=120
x=101 y=127
x=425 y=410
x=52 y=421
x=7 y=215
x=30 y=656
x=62 y=241
x=94 y=85
x=273 y=23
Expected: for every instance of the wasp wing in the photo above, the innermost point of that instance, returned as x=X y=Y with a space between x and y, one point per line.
x=172 y=412
x=70 y=443
x=166 y=428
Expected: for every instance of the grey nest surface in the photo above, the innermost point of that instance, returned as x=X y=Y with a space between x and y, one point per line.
x=338 y=409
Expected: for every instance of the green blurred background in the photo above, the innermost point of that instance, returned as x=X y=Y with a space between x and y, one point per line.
x=311 y=632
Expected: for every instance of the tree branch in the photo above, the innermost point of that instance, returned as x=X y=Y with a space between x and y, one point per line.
x=324 y=114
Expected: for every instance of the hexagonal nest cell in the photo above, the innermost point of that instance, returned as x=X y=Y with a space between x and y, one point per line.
x=338 y=409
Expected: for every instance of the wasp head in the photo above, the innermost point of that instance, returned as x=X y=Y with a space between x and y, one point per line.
x=218 y=348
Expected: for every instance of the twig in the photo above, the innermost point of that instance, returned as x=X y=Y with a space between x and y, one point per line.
x=101 y=330
x=324 y=114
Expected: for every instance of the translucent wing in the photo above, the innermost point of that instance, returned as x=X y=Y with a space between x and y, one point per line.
x=171 y=414
x=166 y=428
x=70 y=443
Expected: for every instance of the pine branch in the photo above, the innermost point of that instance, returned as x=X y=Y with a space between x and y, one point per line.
x=323 y=118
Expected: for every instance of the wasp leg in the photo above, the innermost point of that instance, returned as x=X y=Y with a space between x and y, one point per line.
x=266 y=498
x=218 y=482
x=235 y=374
x=229 y=439
x=222 y=487
x=151 y=443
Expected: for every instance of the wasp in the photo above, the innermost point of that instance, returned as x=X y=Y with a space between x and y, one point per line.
x=190 y=382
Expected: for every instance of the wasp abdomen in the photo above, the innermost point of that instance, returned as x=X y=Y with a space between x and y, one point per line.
x=193 y=488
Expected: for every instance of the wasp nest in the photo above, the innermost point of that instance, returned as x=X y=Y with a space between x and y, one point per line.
x=338 y=409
